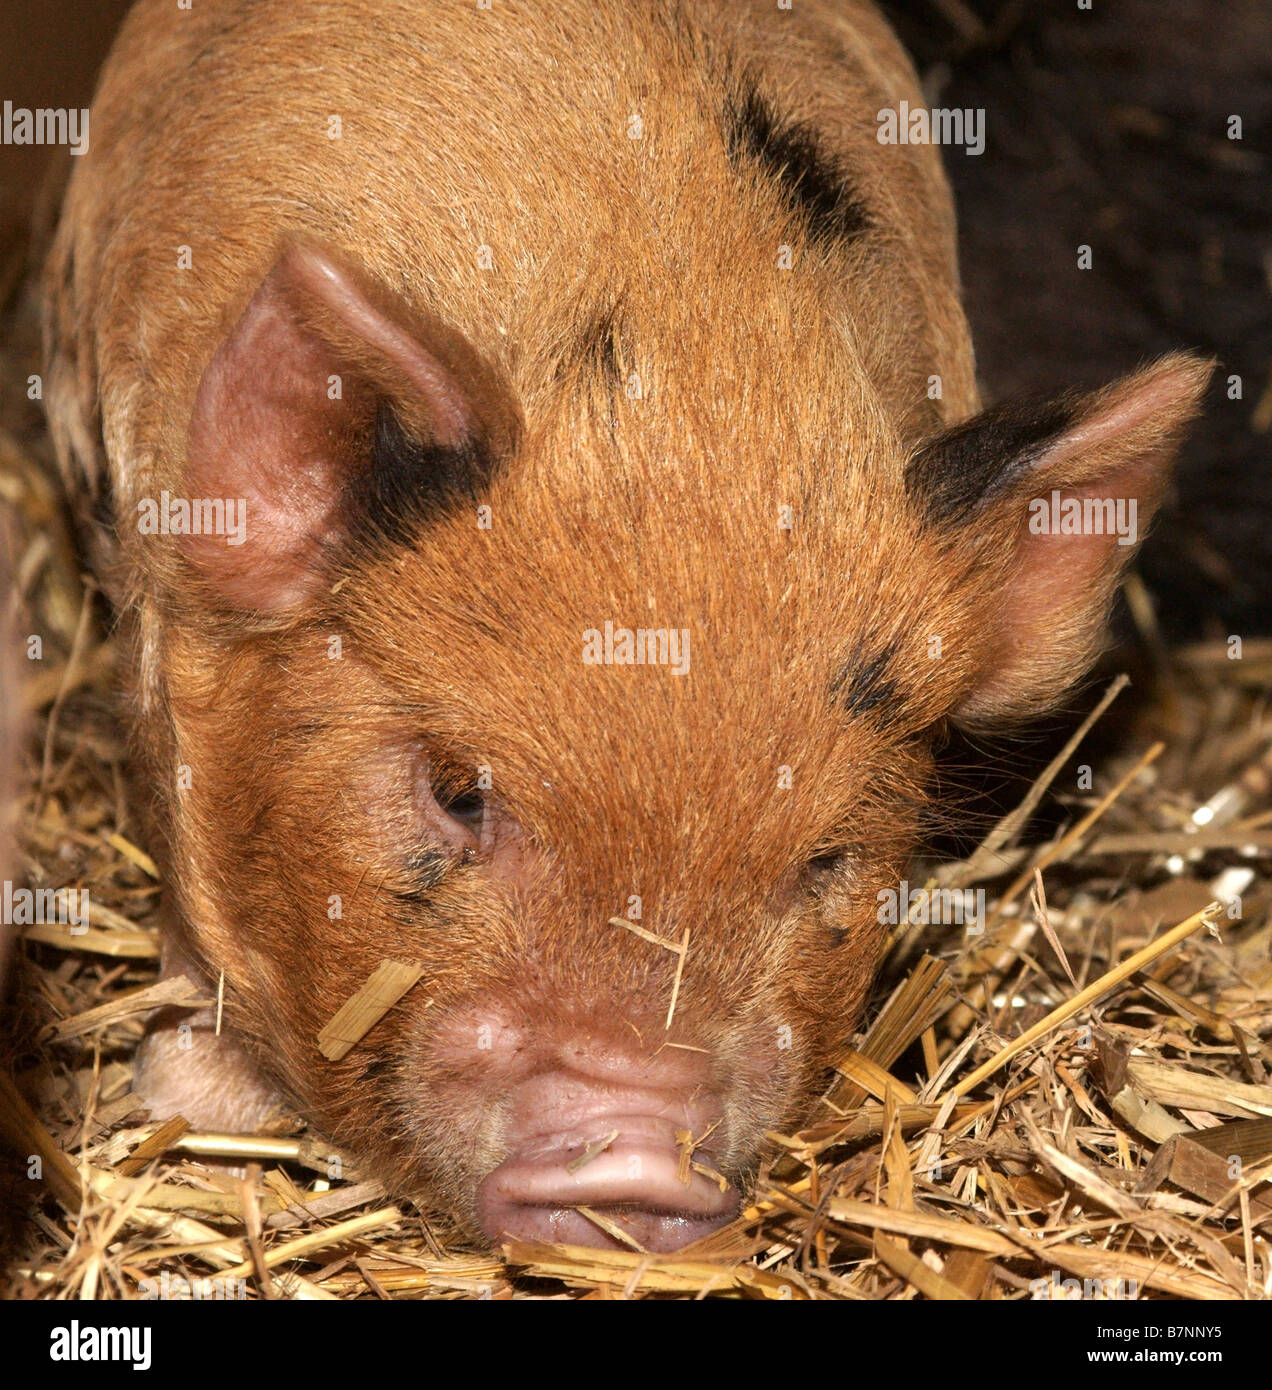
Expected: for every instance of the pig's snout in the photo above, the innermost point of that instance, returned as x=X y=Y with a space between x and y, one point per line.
x=597 y=1141
x=633 y=1184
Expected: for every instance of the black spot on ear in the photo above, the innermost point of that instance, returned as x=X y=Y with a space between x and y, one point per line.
x=814 y=183
x=862 y=687
x=953 y=474
x=409 y=482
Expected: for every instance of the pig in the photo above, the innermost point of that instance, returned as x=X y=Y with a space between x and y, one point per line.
x=534 y=453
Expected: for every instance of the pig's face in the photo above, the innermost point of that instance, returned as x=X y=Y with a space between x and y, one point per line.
x=645 y=897
x=441 y=749
x=724 y=803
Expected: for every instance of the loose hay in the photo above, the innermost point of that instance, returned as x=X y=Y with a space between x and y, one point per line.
x=355 y=1018
x=1080 y=1092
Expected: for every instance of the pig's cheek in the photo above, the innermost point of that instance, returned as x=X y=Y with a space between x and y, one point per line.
x=512 y=859
x=478 y=1038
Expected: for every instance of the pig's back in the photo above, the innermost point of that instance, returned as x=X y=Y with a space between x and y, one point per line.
x=507 y=169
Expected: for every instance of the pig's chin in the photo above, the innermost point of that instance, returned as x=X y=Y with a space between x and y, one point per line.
x=633 y=1184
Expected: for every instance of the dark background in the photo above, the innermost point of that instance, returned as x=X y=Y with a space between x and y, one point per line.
x=1109 y=128
x=1105 y=127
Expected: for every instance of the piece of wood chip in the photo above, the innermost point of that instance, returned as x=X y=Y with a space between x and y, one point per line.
x=593 y=1150
x=134 y=855
x=177 y=991
x=155 y=1147
x=611 y=1228
x=679 y=948
x=134 y=944
x=675 y=983
x=912 y=1269
x=873 y=1079
x=304 y=1246
x=708 y=1172
x=1192 y=1090
x=326 y=1205
x=386 y=984
x=645 y=934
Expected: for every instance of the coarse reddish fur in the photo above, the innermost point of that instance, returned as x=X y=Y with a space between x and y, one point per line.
x=761 y=388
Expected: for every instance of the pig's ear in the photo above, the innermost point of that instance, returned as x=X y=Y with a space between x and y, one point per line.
x=1048 y=503
x=329 y=409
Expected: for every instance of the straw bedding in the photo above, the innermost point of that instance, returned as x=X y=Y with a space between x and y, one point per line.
x=1072 y=1101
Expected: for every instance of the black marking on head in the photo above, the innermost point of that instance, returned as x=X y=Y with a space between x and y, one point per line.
x=598 y=346
x=426 y=869
x=862 y=685
x=306 y=731
x=814 y=184
x=959 y=470
x=409 y=482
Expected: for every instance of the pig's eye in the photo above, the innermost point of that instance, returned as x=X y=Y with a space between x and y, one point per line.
x=828 y=862
x=451 y=803
x=468 y=808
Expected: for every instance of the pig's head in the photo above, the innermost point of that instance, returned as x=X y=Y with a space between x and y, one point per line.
x=422 y=717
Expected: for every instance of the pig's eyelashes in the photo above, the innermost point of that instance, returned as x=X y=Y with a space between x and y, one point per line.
x=452 y=805
x=827 y=863
x=832 y=856
x=469 y=808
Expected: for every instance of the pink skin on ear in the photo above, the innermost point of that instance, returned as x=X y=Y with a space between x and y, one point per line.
x=332 y=286
x=1050 y=618
x=266 y=429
